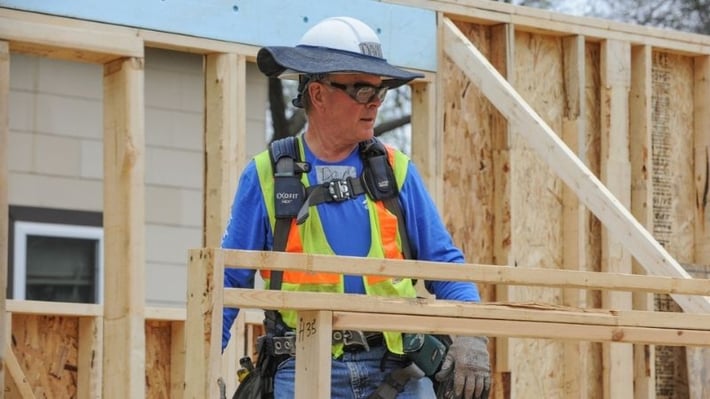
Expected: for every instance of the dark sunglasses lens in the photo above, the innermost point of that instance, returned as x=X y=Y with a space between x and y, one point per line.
x=367 y=94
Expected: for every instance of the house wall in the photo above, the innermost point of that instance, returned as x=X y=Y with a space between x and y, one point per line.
x=56 y=161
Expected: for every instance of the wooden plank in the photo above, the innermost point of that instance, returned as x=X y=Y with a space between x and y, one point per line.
x=536 y=20
x=49 y=37
x=16 y=374
x=124 y=229
x=4 y=208
x=575 y=174
x=314 y=338
x=502 y=56
x=640 y=113
x=519 y=329
x=203 y=328
x=699 y=359
x=542 y=313
x=425 y=270
x=426 y=136
x=577 y=380
x=701 y=116
x=437 y=316
x=225 y=149
x=54 y=308
x=616 y=175
x=165 y=314
x=90 y=358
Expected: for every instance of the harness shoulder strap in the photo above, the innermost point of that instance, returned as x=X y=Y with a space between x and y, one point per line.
x=289 y=194
x=381 y=184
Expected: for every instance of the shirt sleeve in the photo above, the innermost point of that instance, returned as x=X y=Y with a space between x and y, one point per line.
x=429 y=238
x=248 y=228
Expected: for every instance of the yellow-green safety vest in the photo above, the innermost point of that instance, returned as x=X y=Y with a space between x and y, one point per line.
x=309 y=237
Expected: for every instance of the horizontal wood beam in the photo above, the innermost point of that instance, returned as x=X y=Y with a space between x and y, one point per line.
x=267 y=299
x=49 y=36
x=531 y=19
x=466 y=272
x=520 y=329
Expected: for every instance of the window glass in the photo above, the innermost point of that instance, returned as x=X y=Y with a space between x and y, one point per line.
x=58 y=262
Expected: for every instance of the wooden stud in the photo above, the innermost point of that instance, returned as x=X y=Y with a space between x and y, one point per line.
x=640 y=113
x=313 y=354
x=502 y=48
x=699 y=371
x=203 y=327
x=90 y=357
x=426 y=136
x=616 y=175
x=616 y=218
x=576 y=222
x=124 y=229
x=225 y=138
x=4 y=209
x=701 y=116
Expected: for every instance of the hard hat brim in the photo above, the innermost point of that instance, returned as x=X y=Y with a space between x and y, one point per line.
x=277 y=61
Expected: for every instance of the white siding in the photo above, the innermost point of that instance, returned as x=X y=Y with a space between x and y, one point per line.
x=56 y=151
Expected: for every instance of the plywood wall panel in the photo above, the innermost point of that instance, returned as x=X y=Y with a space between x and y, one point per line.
x=157 y=359
x=46 y=349
x=536 y=210
x=467 y=169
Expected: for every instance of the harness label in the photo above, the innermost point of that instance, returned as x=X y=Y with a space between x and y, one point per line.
x=326 y=173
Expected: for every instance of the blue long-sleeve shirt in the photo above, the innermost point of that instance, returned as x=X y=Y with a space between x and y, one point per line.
x=347 y=228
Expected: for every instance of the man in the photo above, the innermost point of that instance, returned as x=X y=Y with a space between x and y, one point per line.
x=343 y=79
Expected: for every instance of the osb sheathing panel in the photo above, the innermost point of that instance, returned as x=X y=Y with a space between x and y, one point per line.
x=536 y=210
x=467 y=154
x=46 y=348
x=157 y=359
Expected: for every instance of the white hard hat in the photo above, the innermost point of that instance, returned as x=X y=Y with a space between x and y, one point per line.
x=334 y=45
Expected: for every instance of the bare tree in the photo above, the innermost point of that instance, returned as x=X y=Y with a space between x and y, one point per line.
x=686 y=15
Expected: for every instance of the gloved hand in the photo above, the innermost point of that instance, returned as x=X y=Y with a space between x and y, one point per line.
x=468 y=359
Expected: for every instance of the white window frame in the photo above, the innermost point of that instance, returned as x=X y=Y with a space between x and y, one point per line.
x=24 y=229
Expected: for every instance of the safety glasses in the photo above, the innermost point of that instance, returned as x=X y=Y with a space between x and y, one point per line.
x=362 y=93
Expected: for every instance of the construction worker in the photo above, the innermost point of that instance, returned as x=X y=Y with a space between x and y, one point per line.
x=329 y=208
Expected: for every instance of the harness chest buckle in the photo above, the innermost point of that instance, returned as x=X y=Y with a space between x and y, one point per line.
x=339 y=190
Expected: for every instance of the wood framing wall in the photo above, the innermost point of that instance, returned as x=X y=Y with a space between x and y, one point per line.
x=610 y=101
x=632 y=104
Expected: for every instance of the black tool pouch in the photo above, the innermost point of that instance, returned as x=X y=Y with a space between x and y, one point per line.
x=426 y=351
x=259 y=383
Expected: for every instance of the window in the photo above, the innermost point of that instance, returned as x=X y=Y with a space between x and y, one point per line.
x=55 y=260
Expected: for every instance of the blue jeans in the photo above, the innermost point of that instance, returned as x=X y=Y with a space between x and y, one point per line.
x=354 y=376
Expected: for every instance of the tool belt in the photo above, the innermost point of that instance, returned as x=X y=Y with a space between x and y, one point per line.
x=352 y=340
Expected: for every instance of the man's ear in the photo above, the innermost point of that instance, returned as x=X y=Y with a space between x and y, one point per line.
x=317 y=93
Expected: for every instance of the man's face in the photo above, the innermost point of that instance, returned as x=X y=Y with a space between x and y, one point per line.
x=352 y=102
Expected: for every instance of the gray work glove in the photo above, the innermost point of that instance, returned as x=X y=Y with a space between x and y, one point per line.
x=468 y=359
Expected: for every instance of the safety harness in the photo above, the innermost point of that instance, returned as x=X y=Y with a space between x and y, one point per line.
x=292 y=202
